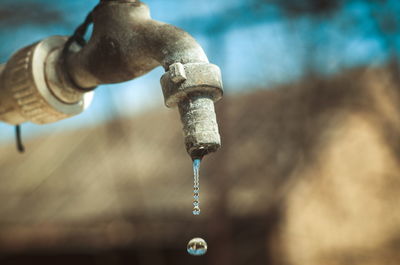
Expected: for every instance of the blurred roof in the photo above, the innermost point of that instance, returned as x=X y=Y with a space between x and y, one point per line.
x=130 y=179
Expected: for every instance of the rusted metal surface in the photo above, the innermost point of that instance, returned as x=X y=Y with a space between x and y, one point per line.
x=127 y=43
x=194 y=87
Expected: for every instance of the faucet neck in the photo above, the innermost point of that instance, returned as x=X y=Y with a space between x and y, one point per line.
x=126 y=43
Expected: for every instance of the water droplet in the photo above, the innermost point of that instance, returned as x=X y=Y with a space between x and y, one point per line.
x=196 y=210
x=196 y=186
x=197 y=246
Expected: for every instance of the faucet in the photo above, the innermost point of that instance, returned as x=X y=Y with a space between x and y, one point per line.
x=42 y=84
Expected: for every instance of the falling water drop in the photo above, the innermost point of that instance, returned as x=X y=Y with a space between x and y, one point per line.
x=196 y=186
x=196 y=210
x=197 y=246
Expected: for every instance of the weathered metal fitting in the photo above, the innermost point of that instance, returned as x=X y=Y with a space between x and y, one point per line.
x=194 y=87
x=177 y=73
x=30 y=89
x=200 y=126
x=182 y=80
x=126 y=43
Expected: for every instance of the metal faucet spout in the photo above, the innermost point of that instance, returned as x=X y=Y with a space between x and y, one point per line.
x=126 y=43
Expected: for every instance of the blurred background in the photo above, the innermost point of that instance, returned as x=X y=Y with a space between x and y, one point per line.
x=310 y=125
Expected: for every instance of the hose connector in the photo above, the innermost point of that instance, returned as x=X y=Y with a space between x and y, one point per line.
x=194 y=87
x=33 y=89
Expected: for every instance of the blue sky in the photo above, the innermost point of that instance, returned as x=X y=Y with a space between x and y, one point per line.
x=258 y=48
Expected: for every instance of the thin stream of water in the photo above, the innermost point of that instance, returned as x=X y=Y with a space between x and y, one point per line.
x=196 y=186
x=196 y=246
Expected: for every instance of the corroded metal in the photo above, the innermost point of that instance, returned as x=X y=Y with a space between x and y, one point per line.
x=127 y=43
x=195 y=97
x=39 y=85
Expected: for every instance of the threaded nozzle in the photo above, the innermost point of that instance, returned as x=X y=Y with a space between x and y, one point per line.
x=199 y=125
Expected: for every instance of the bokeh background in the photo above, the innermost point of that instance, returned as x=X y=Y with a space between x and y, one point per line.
x=310 y=124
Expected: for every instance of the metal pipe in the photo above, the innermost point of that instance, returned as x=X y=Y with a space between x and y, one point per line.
x=126 y=43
